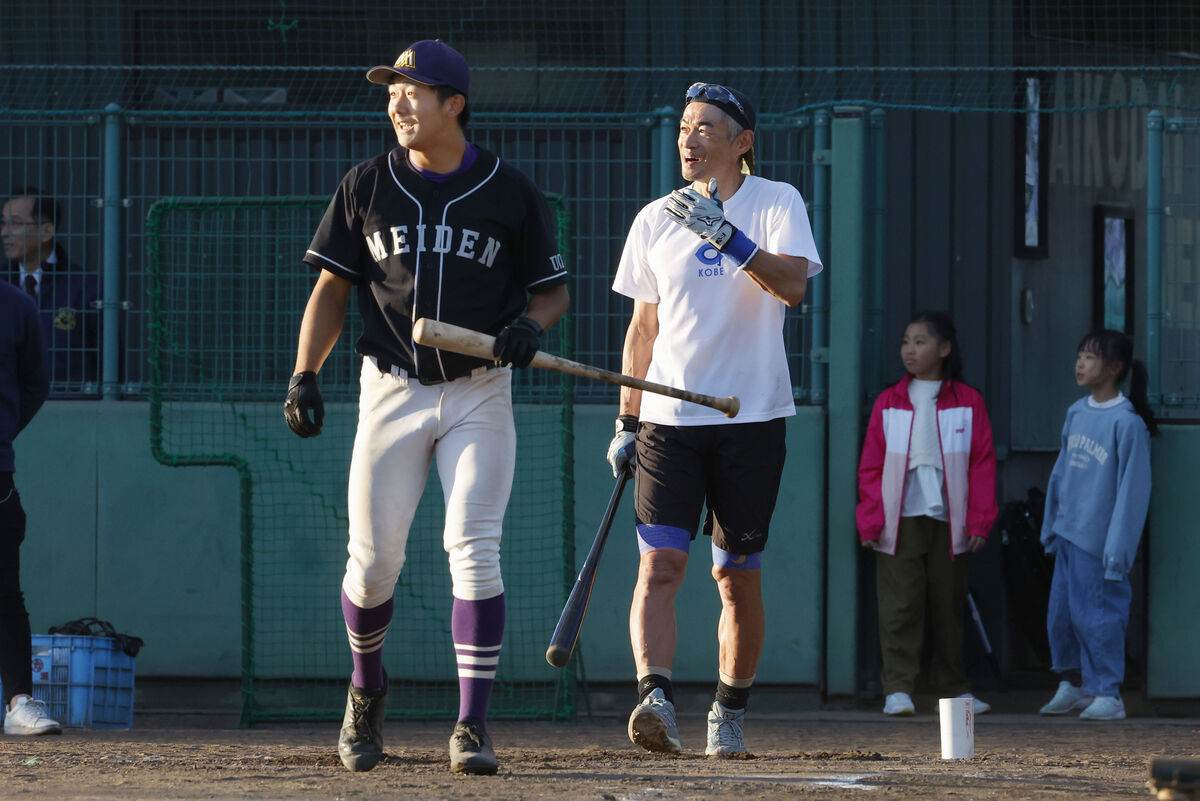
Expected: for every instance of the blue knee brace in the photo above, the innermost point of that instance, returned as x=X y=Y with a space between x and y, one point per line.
x=736 y=561
x=651 y=536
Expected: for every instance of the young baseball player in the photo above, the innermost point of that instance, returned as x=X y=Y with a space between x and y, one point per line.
x=926 y=502
x=443 y=229
x=710 y=268
x=1096 y=505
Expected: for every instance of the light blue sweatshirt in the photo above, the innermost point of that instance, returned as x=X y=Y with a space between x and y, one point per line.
x=1099 y=492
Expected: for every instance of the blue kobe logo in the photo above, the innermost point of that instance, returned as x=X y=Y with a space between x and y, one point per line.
x=711 y=258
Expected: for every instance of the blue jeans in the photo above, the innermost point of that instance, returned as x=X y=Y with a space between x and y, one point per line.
x=1087 y=619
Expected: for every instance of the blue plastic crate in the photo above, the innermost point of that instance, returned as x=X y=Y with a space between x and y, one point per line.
x=85 y=682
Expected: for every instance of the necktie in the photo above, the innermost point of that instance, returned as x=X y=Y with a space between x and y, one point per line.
x=31 y=285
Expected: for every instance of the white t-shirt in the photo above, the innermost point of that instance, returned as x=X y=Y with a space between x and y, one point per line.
x=924 y=492
x=1108 y=404
x=719 y=333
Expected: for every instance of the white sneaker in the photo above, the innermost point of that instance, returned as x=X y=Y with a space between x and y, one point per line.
x=981 y=706
x=725 y=731
x=1067 y=699
x=652 y=724
x=898 y=704
x=1104 y=707
x=29 y=717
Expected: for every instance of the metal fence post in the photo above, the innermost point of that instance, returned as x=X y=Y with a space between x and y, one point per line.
x=665 y=153
x=878 y=136
x=847 y=244
x=111 y=205
x=1154 y=253
x=819 y=303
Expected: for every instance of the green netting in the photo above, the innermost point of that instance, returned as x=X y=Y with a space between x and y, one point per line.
x=302 y=57
x=227 y=293
x=265 y=97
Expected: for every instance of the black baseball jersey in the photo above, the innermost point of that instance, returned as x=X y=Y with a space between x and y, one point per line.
x=464 y=251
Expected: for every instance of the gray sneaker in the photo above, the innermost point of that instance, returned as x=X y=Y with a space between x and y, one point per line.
x=652 y=724
x=471 y=749
x=360 y=743
x=725 y=731
x=1067 y=699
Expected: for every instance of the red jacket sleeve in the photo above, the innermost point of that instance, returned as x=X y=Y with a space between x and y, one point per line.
x=869 y=513
x=981 y=476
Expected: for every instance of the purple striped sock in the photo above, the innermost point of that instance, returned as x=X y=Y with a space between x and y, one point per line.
x=478 y=629
x=366 y=629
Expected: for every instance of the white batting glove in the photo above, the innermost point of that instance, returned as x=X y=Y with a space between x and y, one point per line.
x=705 y=217
x=622 y=450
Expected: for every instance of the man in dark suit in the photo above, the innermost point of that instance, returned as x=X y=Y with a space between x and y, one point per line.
x=64 y=292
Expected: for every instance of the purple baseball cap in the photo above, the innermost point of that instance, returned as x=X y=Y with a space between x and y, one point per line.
x=429 y=61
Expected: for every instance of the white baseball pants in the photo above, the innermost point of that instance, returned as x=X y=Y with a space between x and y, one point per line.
x=467 y=425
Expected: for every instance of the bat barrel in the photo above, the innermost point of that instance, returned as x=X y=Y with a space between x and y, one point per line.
x=570 y=622
x=557 y=655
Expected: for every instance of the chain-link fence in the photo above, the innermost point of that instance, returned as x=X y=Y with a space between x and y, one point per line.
x=115 y=105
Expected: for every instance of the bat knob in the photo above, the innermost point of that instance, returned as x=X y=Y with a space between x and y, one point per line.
x=732 y=409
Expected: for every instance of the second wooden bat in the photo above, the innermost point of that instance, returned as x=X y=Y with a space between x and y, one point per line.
x=570 y=622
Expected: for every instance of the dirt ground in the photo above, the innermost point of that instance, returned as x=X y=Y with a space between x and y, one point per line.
x=824 y=754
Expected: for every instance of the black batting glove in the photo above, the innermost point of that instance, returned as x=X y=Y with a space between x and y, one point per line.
x=303 y=399
x=518 y=343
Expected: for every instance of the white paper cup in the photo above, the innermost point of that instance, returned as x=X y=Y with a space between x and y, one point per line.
x=958 y=727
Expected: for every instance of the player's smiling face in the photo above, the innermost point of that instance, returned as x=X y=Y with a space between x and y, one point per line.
x=704 y=147
x=418 y=116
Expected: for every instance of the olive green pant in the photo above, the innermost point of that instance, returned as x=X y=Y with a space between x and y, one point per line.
x=922 y=569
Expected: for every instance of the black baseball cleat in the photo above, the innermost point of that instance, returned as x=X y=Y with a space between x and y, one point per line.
x=360 y=744
x=471 y=749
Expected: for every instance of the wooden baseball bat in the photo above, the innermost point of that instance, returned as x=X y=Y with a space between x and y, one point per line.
x=566 y=633
x=436 y=334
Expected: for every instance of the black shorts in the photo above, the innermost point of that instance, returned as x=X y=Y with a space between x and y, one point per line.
x=733 y=469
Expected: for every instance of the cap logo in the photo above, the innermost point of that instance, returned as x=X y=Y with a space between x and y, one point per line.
x=407 y=59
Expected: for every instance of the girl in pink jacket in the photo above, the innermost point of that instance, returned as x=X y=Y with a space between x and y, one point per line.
x=927 y=500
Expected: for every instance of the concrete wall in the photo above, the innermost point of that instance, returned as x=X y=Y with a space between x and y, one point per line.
x=115 y=535
x=156 y=550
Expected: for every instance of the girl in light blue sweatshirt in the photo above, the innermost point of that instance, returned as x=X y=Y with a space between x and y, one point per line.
x=1096 y=506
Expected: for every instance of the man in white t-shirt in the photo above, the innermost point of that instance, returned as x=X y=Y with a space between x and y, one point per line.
x=710 y=269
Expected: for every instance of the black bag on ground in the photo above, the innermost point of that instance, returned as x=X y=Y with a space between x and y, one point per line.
x=1027 y=569
x=94 y=627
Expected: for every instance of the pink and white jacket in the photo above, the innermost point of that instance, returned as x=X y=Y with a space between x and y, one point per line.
x=968 y=465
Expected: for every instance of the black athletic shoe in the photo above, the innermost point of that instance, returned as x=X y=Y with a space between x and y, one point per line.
x=471 y=749
x=360 y=744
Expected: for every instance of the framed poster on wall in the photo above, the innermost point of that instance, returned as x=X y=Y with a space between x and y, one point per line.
x=1113 y=268
x=1031 y=157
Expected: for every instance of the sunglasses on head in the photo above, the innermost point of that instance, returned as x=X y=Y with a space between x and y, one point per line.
x=714 y=91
